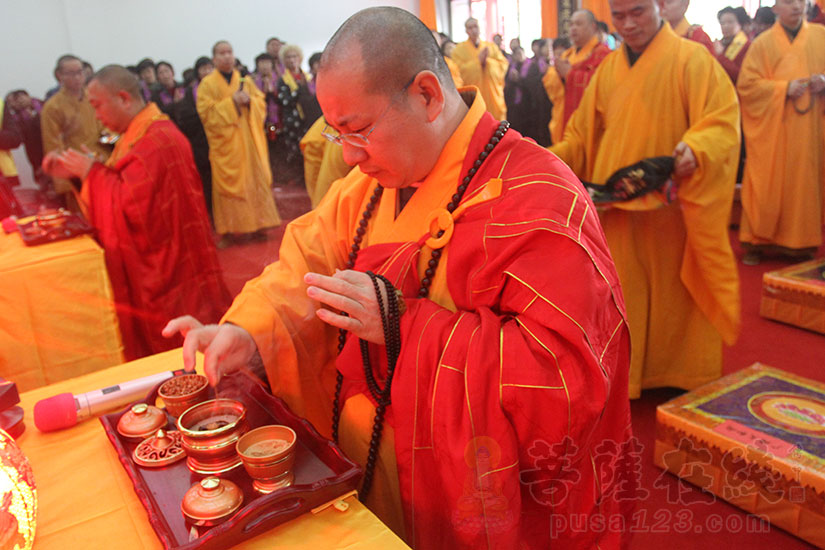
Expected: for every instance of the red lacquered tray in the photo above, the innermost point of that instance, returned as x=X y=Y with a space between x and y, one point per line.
x=322 y=473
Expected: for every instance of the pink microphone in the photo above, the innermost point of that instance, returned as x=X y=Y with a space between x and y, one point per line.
x=65 y=410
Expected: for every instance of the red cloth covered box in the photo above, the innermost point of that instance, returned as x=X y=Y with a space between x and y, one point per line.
x=756 y=439
x=796 y=295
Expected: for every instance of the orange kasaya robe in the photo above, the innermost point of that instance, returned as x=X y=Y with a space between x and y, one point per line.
x=695 y=33
x=147 y=206
x=323 y=162
x=489 y=79
x=242 y=199
x=566 y=94
x=512 y=374
x=782 y=188
x=674 y=260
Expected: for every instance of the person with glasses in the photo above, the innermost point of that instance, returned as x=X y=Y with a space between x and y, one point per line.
x=462 y=271
x=68 y=121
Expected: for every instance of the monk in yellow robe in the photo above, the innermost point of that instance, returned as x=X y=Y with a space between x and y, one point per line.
x=447 y=46
x=484 y=66
x=566 y=81
x=506 y=369
x=782 y=89
x=454 y=71
x=233 y=110
x=323 y=162
x=660 y=95
x=68 y=121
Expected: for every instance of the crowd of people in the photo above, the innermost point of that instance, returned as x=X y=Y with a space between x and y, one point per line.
x=506 y=299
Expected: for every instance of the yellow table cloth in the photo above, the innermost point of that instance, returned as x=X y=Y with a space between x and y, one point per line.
x=86 y=499
x=57 y=315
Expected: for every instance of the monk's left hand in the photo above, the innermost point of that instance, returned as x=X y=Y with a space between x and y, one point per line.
x=817 y=83
x=685 y=163
x=77 y=163
x=351 y=292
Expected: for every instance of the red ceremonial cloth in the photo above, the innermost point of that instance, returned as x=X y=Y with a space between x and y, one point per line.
x=511 y=415
x=151 y=220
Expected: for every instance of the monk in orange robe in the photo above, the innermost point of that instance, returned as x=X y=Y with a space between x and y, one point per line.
x=674 y=13
x=782 y=90
x=566 y=80
x=656 y=96
x=512 y=360
x=146 y=203
x=484 y=66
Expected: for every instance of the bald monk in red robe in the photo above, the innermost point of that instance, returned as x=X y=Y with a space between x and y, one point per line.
x=511 y=340
x=566 y=81
x=146 y=203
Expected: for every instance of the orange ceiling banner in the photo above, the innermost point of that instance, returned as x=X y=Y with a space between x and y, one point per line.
x=549 y=19
x=427 y=13
x=601 y=9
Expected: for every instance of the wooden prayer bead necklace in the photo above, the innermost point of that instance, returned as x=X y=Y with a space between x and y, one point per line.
x=391 y=320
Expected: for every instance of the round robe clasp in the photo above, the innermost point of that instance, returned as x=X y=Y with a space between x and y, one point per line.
x=439 y=220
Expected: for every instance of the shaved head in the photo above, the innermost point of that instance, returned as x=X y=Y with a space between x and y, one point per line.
x=221 y=42
x=115 y=78
x=582 y=27
x=393 y=45
x=587 y=14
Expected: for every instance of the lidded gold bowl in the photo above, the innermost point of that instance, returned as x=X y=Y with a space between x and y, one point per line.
x=211 y=501
x=141 y=421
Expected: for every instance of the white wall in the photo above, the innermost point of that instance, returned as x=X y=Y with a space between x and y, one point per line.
x=36 y=32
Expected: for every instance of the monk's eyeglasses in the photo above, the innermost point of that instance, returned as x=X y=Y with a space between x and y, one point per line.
x=357 y=139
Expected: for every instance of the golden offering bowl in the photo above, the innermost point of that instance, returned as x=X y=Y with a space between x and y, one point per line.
x=268 y=455
x=182 y=392
x=210 y=431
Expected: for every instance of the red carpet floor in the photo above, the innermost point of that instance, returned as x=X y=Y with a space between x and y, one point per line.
x=675 y=515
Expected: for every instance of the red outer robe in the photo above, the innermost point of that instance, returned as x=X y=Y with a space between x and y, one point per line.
x=578 y=78
x=505 y=410
x=733 y=67
x=151 y=221
x=696 y=34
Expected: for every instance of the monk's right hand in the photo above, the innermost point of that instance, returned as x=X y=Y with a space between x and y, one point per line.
x=797 y=87
x=53 y=166
x=226 y=348
x=240 y=98
x=482 y=56
x=563 y=67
